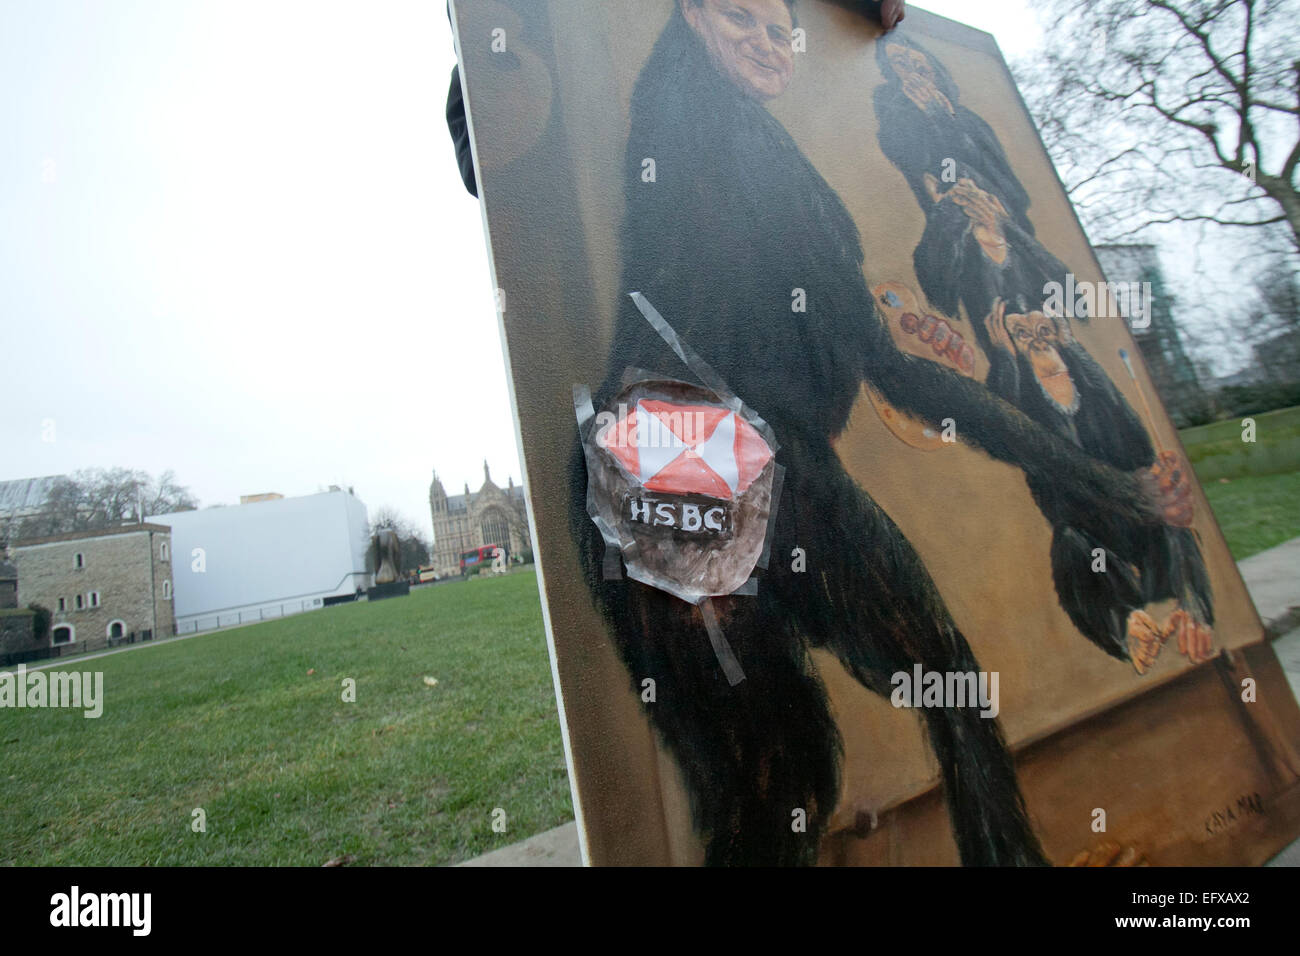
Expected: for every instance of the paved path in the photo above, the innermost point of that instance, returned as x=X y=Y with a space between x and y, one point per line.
x=1288 y=652
x=1273 y=578
x=70 y=662
x=558 y=847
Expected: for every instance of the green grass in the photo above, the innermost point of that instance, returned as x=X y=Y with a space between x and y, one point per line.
x=286 y=771
x=1217 y=450
x=1257 y=512
x=289 y=774
x=1258 y=506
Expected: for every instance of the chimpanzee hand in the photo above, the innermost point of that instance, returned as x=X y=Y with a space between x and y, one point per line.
x=1195 y=640
x=1167 y=484
x=924 y=94
x=996 y=323
x=1110 y=853
x=1145 y=640
x=1064 y=333
x=980 y=205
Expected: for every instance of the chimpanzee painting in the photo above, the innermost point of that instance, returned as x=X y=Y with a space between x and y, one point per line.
x=674 y=166
x=979 y=243
x=979 y=251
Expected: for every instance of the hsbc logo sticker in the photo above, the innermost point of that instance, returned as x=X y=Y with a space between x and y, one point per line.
x=700 y=516
x=685 y=449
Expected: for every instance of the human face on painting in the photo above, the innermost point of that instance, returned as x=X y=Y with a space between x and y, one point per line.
x=749 y=42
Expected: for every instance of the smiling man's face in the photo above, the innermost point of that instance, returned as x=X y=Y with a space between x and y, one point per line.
x=749 y=42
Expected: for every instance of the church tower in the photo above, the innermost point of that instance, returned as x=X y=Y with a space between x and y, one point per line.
x=437 y=498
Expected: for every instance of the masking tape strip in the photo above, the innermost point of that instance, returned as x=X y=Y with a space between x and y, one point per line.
x=726 y=658
x=582 y=407
x=702 y=369
x=613 y=570
x=778 y=479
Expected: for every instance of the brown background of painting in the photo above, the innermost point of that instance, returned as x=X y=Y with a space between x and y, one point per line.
x=549 y=140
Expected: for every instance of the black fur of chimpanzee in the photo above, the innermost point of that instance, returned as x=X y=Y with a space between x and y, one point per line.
x=736 y=220
x=960 y=145
x=1144 y=563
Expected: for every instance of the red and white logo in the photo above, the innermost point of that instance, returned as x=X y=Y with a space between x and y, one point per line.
x=686 y=449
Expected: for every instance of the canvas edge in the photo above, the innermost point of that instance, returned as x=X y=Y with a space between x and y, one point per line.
x=523 y=461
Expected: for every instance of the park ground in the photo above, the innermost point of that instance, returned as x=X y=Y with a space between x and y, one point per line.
x=249 y=725
x=454 y=724
x=1253 y=486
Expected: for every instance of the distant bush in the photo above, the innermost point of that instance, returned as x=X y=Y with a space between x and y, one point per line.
x=1236 y=400
x=41 y=622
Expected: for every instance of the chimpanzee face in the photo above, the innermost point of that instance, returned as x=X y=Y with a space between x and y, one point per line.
x=908 y=62
x=749 y=42
x=918 y=77
x=1037 y=337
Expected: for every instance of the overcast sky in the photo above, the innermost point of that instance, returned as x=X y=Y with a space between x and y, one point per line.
x=234 y=243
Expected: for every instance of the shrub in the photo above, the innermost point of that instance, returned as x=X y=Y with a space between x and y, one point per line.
x=41 y=622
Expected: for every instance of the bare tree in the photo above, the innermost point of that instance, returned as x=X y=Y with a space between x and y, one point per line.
x=1276 y=338
x=166 y=496
x=97 y=498
x=1169 y=111
x=1279 y=291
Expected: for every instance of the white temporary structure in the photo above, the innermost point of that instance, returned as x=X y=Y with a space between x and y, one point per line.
x=238 y=564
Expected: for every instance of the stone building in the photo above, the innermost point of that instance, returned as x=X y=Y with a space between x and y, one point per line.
x=101 y=587
x=8 y=581
x=492 y=515
x=17 y=626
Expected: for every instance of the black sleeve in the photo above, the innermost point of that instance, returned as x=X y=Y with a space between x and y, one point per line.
x=459 y=130
x=871 y=8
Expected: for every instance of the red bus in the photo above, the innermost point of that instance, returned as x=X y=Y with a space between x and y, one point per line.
x=471 y=559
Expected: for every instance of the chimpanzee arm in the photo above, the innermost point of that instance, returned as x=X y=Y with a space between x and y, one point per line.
x=1079 y=490
x=1125 y=438
x=1004 y=376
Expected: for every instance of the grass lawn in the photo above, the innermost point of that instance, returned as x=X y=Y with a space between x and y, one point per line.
x=1258 y=507
x=1217 y=450
x=290 y=774
x=286 y=771
x=1257 y=512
